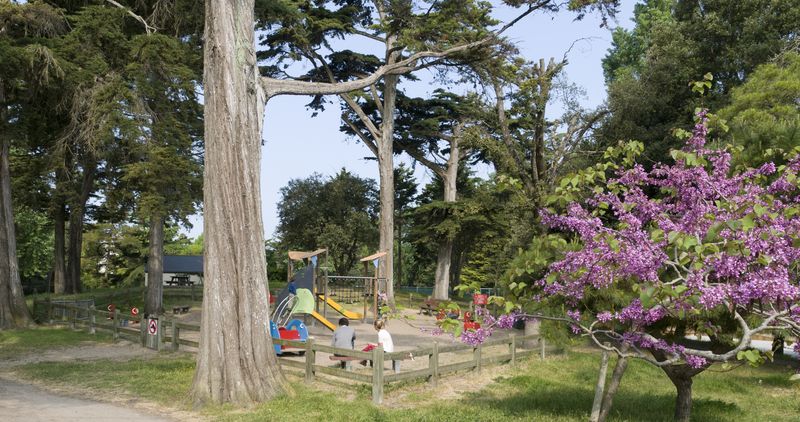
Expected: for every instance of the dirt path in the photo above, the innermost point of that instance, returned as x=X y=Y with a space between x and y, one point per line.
x=20 y=402
x=23 y=400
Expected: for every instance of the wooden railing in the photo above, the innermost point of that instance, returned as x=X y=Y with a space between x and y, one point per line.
x=169 y=337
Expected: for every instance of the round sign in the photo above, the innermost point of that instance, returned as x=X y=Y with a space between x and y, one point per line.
x=111 y=307
x=134 y=311
x=152 y=328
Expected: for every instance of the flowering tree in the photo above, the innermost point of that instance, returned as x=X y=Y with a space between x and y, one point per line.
x=679 y=266
x=689 y=248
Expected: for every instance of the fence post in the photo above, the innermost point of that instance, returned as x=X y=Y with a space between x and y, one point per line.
x=92 y=320
x=73 y=315
x=433 y=364
x=143 y=330
x=49 y=311
x=598 y=389
x=115 y=325
x=161 y=326
x=176 y=332
x=512 y=349
x=191 y=289
x=377 y=374
x=541 y=348
x=310 y=359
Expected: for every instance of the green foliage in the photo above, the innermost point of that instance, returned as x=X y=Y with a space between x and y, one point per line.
x=763 y=115
x=34 y=243
x=677 y=41
x=339 y=213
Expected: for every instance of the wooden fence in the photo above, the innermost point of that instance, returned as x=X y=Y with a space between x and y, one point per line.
x=169 y=337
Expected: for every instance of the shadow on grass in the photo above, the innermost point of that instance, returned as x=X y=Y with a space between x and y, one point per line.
x=545 y=398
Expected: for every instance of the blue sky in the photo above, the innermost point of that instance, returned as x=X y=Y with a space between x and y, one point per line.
x=298 y=145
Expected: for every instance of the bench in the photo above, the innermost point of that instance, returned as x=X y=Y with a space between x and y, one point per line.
x=180 y=309
x=429 y=306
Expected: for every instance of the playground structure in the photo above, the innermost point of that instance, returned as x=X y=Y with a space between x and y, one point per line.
x=327 y=291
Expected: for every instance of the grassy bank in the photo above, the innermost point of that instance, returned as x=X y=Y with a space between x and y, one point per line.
x=21 y=342
x=558 y=389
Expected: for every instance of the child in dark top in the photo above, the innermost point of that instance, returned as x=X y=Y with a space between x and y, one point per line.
x=344 y=338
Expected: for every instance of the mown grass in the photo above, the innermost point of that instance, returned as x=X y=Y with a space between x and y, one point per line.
x=557 y=389
x=21 y=342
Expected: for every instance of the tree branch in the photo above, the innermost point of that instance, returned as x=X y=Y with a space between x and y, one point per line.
x=147 y=28
x=273 y=87
x=368 y=142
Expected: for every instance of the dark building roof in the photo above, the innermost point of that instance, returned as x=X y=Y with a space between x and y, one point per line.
x=192 y=264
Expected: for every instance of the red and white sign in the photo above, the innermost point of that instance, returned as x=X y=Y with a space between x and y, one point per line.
x=480 y=299
x=152 y=327
x=134 y=311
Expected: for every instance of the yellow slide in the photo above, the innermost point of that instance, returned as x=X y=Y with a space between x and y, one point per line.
x=324 y=321
x=340 y=309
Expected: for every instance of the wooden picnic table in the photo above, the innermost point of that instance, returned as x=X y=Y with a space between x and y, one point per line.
x=180 y=280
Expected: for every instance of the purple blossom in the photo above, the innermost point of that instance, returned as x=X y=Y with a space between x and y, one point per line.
x=605 y=316
x=695 y=361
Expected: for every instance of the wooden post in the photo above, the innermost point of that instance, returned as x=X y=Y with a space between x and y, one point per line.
x=143 y=329
x=73 y=315
x=512 y=349
x=364 y=299
x=541 y=348
x=598 y=390
x=477 y=353
x=377 y=374
x=176 y=332
x=191 y=289
x=433 y=364
x=161 y=326
x=92 y=320
x=375 y=298
x=310 y=359
x=49 y=311
x=115 y=325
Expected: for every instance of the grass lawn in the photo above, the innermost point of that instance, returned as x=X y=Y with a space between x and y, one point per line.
x=558 y=389
x=20 y=342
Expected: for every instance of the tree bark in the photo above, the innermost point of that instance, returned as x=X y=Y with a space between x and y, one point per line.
x=155 y=267
x=59 y=218
x=59 y=272
x=386 y=171
x=613 y=387
x=236 y=360
x=445 y=256
x=681 y=376
x=76 y=214
x=683 y=402
x=13 y=310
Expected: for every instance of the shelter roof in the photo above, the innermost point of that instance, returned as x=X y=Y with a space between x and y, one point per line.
x=300 y=255
x=373 y=256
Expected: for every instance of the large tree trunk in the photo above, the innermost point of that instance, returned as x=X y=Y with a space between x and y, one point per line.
x=386 y=171
x=59 y=218
x=155 y=267
x=13 y=310
x=59 y=272
x=683 y=402
x=681 y=376
x=76 y=214
x=445 y=257
x=236 y=360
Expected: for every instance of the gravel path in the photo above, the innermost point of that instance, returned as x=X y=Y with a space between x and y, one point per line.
x=20 y=402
